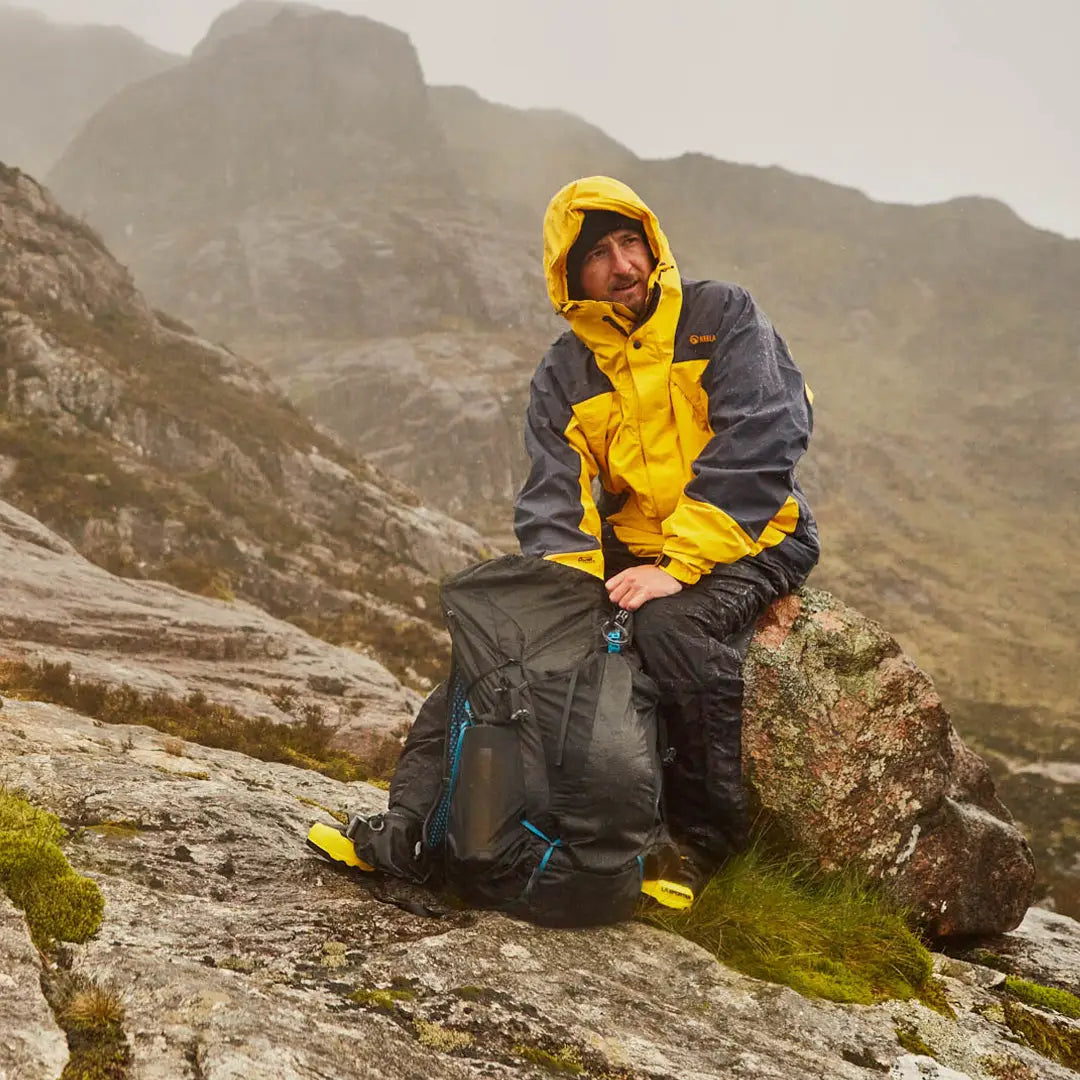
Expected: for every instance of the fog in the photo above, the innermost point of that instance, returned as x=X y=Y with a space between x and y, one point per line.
x=912 y=102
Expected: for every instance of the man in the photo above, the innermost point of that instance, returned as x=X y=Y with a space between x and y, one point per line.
x=683 y=402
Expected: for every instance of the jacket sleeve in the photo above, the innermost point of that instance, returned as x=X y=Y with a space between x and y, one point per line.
x=742 y=497
x=555 y=515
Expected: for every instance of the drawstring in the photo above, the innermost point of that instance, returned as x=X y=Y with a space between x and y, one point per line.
x=566 y=713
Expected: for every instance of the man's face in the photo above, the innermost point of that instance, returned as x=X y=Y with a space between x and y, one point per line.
x=617 y=268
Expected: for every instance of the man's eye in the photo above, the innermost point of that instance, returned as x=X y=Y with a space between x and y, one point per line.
x=595 y=254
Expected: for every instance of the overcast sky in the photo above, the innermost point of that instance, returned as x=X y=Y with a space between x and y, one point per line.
x=909 y=100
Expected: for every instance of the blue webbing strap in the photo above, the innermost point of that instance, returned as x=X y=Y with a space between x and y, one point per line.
x=460 y=722
x=552 y=845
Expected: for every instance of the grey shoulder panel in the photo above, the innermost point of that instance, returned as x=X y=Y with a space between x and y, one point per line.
x=758 y=410
x=549 y=510
x=570 y=365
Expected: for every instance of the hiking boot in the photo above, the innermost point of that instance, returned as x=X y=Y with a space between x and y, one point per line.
x=674 y=876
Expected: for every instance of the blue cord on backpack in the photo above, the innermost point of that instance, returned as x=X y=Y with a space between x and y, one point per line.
x=552 y=845
x=617 y=632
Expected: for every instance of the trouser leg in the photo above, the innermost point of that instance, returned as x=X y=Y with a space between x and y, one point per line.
x=693 y=645
x=417 y=779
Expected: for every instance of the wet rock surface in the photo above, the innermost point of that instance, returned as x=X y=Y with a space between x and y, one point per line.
x=58 y=607
x=238 y=953
x=32 y=1046
x=851 y=755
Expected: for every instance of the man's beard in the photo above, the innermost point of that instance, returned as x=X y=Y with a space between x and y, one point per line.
x=634 y=302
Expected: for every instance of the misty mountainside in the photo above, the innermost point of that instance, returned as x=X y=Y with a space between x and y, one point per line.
x=299 y=190
x=158 y=454
x=292 y=179
x=374 y=243
x=54 y=77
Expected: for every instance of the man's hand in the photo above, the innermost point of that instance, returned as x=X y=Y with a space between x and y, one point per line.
x=631 y=588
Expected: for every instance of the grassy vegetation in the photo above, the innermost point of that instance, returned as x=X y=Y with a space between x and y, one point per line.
x=405 y=646
x=59 y=904
x=198 y=720
x=825 y=935
x=93 y=1018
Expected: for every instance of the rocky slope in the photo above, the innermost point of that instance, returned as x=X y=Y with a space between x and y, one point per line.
x=53 y=78
x=160 y=455
x=57 y=607
x=237 y=953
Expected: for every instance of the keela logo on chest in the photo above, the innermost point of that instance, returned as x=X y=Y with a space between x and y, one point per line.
x=701 y=339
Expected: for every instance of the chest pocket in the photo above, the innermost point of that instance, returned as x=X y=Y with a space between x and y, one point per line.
x=686 y=387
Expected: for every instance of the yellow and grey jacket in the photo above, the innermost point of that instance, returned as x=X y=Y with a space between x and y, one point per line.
x=693 y=419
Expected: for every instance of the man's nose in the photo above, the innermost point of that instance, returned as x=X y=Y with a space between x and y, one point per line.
x=620 y=263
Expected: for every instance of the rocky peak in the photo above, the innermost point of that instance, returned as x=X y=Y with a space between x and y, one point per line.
x=292 y=180
x=312 y=102
x=249 y=15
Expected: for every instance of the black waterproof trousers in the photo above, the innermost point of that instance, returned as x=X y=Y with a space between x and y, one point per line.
x=693 y=645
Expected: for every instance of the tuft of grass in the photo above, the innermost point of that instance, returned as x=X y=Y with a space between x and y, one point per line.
x=173 y=746
x=92 y=1007
x=196 y=719
x=59 y=904
x=1043 y=997
x=825 y=935
x=1059 y=1042
x=92 y=1016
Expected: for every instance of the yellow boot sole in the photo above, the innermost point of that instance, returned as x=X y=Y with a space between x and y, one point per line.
x=335 y=845
x=669 y=893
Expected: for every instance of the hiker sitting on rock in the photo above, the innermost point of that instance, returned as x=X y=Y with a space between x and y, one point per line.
x=682 y=399
x=685 y=403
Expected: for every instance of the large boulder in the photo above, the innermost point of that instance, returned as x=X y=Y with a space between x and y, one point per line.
x=851 y=757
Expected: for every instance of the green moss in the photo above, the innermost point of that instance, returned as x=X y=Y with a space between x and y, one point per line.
x=932 y=995
x=1044 y=997
x=909 y=1039
x=437 y=1037
x=825 y=935
x=564 y=1059
x=59 y=904
x=385 y=999
x=1054 y=1040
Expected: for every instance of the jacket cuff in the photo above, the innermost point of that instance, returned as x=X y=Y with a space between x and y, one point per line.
x=679 y=570
x=592 y=562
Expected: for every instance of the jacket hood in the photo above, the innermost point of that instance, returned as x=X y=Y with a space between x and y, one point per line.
x=562 y=224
